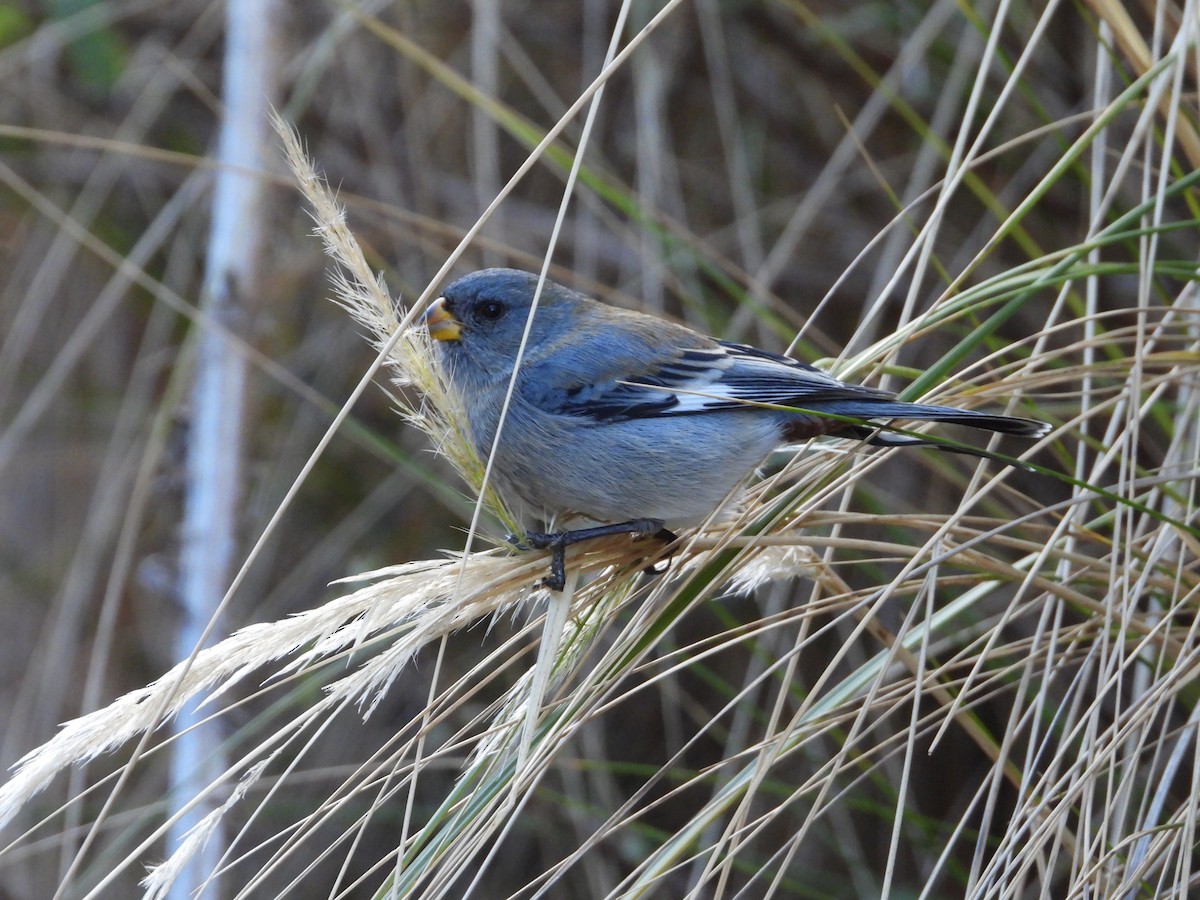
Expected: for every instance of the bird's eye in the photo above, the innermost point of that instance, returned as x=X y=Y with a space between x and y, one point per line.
x=491 y=309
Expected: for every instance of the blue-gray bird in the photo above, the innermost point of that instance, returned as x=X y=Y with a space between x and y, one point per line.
x=633 y=421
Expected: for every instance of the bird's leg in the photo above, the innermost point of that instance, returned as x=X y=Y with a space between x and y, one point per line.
x=557 y=543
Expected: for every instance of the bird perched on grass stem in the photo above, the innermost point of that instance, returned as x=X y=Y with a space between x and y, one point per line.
x=633 y=421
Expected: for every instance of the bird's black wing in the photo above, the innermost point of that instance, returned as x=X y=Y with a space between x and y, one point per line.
x=699 y=380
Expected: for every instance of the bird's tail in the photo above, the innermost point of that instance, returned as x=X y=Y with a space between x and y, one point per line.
x=922 y=412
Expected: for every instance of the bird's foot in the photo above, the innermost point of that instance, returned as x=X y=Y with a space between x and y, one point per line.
x=557 y=543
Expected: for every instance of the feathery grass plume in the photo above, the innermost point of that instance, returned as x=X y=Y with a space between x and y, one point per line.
x=410 y=358
x=160 y=878
x=409 y=606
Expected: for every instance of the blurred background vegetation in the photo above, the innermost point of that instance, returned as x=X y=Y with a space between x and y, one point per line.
x=747 y=170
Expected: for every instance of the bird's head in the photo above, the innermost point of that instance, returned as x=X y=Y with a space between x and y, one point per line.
x=478 y=322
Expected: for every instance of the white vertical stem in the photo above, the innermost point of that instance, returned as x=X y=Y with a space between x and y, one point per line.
x=231 y=281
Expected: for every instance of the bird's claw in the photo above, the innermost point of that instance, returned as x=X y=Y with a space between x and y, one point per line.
x=518 y=542
x=662 y=566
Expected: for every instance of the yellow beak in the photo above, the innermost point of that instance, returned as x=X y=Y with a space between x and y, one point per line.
x=440 y=322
